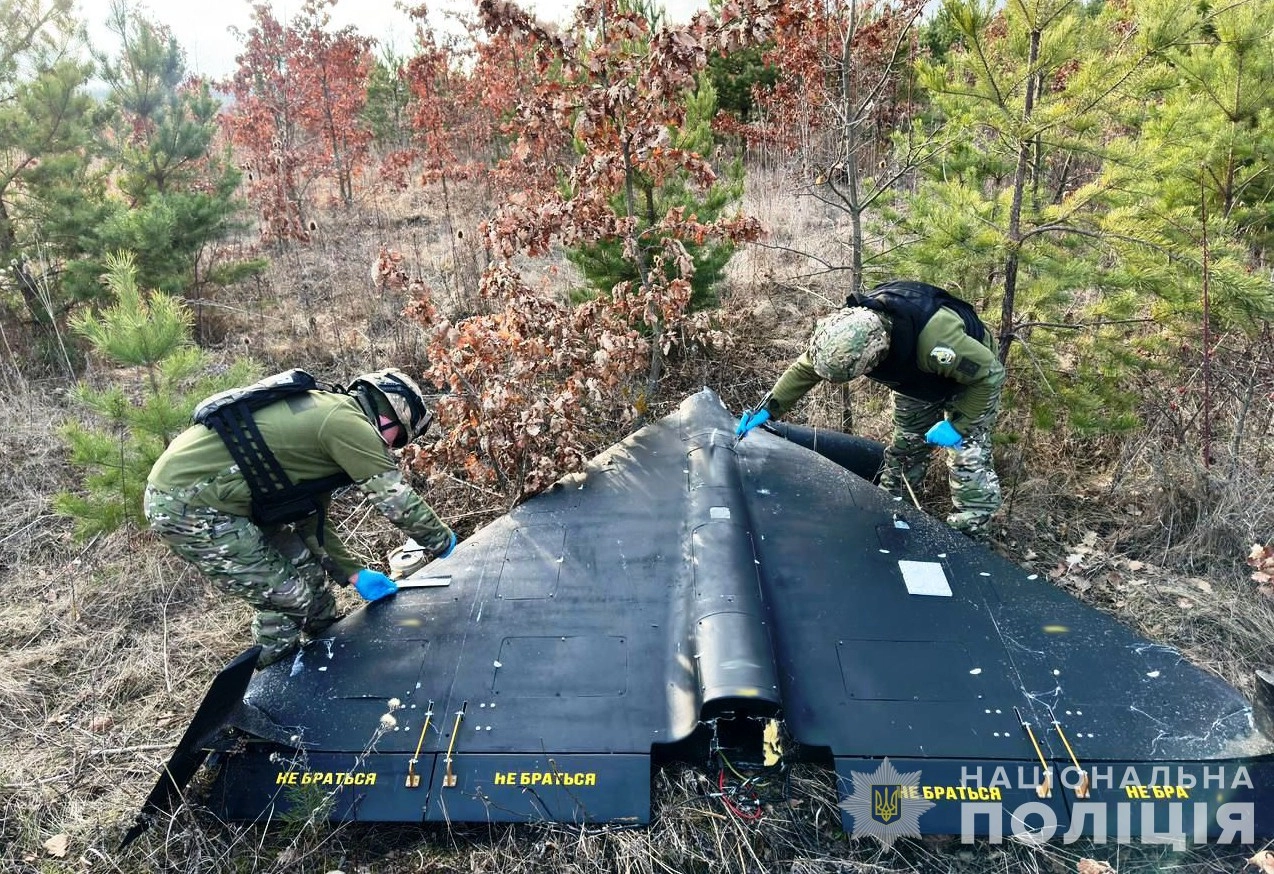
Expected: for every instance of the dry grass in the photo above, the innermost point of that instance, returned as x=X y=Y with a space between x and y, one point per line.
x=107 y=647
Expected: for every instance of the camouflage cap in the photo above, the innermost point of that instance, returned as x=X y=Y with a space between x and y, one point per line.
x=848 y=343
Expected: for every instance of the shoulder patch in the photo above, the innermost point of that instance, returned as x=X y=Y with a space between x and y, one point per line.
x=968 y=366
x=944 y=355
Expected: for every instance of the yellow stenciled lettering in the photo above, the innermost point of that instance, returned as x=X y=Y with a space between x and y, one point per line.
x=325 y=778
x=546 y=778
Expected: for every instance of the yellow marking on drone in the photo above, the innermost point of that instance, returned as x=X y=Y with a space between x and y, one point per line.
x=771 y=744
x=1045 y=788
x=449 y=780
x=413 y=779
x=1081 y=791
x=324 y=778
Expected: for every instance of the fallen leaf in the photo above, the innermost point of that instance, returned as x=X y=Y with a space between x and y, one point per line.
x=1135 y=565
x=1092 y=866
x=1201 y=584
x=57 y=845
x=1263 y=860
x=100 y=723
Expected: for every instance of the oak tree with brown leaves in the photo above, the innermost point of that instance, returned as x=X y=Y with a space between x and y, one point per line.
x=298 y=96
x=531 y=376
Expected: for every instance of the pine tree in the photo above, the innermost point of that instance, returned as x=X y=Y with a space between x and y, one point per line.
x=606 y=264
x=1203 y=152
x=1093 y=140
x=1012 y=213
x=388 y=99
x=158 y=375
x=178 y=191
x=50 y=193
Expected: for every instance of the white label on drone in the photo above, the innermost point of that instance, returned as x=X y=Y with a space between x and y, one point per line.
x=925 y=578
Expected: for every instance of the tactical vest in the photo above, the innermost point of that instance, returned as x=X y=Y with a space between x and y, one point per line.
x=910 y=305
x=275 y=498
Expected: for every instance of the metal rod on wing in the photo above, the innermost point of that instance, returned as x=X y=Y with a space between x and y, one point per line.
x=1081 y=791
x=1045 y=787
x=413 y=779
x=449 y=780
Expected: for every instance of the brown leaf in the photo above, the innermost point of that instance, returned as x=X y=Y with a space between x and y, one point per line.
x=1200 y=584
x=57 y=845
x=1092 y=866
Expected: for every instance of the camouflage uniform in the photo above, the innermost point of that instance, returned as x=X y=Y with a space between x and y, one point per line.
x=200 y=505
x=975 y=487
x=951 y=375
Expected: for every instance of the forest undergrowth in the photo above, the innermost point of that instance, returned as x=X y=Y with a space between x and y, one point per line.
x=108 y=646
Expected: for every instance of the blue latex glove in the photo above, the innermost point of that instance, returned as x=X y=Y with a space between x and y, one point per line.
x=942 y=434
x=373 y=585
x=750 y=419
x=451 y=544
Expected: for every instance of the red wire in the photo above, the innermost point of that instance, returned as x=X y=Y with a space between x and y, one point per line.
x=730 y=804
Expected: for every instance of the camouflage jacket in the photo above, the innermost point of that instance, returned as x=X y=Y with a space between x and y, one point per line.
x=313 y=435
x=943 y=350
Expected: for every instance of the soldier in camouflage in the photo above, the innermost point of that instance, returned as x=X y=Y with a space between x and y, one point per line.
x=200 y=504
x=933 y=351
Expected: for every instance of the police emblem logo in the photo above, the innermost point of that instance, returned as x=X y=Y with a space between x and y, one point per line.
x=886 y=804
x=944 y=355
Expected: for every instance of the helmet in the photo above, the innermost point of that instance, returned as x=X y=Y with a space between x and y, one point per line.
x=400 y=393
x=848 y=343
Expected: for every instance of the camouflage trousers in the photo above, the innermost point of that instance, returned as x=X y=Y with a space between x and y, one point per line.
x=277 y=570
x=975 y=487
